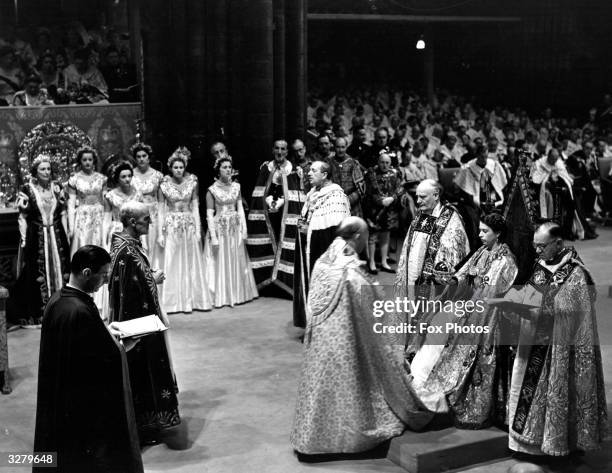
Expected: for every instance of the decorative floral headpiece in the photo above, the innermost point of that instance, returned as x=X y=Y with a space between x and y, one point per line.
x=181 y=153
x=85 y=149
x=38 y=160
x=227 y=157
x=115 y=169
x=140 y=145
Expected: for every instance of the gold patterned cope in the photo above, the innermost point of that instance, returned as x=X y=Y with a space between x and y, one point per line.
x=444 y=231
x=432 y=239
x=352 y=394
x=557 y=398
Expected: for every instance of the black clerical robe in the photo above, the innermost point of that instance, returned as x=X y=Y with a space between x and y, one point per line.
x=84 y=409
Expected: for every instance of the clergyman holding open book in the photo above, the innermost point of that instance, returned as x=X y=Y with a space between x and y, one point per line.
x=133 y=294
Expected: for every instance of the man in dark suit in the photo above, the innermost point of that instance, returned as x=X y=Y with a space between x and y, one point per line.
x=84 y=410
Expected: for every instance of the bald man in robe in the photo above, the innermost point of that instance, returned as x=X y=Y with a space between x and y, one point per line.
x=436 y=242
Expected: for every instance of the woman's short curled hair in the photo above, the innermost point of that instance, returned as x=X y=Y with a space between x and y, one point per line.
x=140 y=146
x=180 y=154
x=496 y=222
x=84 y=150
x=124 y=166
x=220 y=161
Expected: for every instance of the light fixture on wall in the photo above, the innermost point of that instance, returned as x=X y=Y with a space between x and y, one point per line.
x=420 y=44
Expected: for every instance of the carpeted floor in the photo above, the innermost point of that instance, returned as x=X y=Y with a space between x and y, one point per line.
x=238 y=372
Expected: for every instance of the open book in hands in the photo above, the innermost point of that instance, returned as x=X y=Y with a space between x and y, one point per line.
x=139 y=327
x=525 y=298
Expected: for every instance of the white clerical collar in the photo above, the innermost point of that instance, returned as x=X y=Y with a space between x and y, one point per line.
x=77 y=289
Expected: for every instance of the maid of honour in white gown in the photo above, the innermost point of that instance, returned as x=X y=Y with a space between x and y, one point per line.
x=147 y=180
x=226 y=260
x=123 y=192
x=185 y=288
x=86 y=189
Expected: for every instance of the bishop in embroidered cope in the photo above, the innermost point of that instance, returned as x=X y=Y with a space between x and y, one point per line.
x=436 y=240
x=557 y=397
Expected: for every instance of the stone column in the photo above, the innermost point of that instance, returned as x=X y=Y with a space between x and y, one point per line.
x=295 y=14
x=280 y=93
x=258 y=83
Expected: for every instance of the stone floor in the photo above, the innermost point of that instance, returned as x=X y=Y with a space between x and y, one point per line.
x=238 y=372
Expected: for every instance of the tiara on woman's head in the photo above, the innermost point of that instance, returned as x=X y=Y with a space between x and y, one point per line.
x=41 y=158
x=181 y=153
x=86 y=149
x=120 y=163
x=140 y=145
x=227 y=157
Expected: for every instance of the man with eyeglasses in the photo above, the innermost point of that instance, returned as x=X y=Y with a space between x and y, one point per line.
x=557 y=399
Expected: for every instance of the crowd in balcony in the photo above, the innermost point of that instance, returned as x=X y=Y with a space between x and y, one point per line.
x=66 y=65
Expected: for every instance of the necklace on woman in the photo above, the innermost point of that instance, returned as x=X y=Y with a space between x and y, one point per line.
x=43 y=187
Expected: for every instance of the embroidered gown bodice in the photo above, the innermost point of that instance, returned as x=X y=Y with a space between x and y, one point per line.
x=178 y=196
x=226 y=214
x=117 y=198
x=148 y=184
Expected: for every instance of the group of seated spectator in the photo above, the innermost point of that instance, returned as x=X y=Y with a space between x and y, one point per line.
x=84 y=67
x=399 y=139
